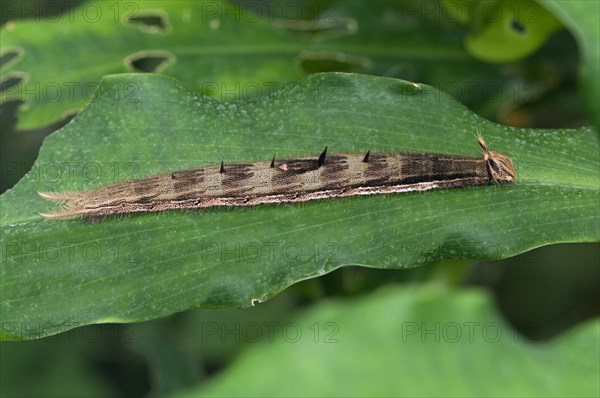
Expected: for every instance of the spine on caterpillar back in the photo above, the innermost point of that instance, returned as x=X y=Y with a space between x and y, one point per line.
x=286 y=181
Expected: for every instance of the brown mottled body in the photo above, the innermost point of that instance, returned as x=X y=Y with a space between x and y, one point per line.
x=286 y=181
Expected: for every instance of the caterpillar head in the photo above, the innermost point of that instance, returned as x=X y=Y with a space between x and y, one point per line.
x=500 y=167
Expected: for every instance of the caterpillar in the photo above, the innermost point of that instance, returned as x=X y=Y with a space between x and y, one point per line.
x=285 y=181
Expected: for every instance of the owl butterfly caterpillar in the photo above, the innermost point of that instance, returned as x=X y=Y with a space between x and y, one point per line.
x=286 y=181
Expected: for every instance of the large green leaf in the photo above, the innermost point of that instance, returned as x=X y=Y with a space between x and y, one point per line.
x=60 y=274
x=417 y=342
x=218 y=49
x=581 y=17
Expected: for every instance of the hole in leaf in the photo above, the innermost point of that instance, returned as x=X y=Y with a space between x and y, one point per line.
x=315 y=62
x=152 y=22
x=518 y=26
x=11 y=82
x=150 y=61
x=10 y=57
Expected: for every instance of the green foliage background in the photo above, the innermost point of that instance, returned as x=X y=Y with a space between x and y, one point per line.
x=257 y=68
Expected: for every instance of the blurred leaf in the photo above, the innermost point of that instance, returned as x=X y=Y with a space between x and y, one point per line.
x=228 y=52
x=581 y=17
x=547 y=290
x=419 y=342
x=34 y=9
x=56 y=275
x=505 y=30
x=192 y=346
x=74 y=364
x=172 y=363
